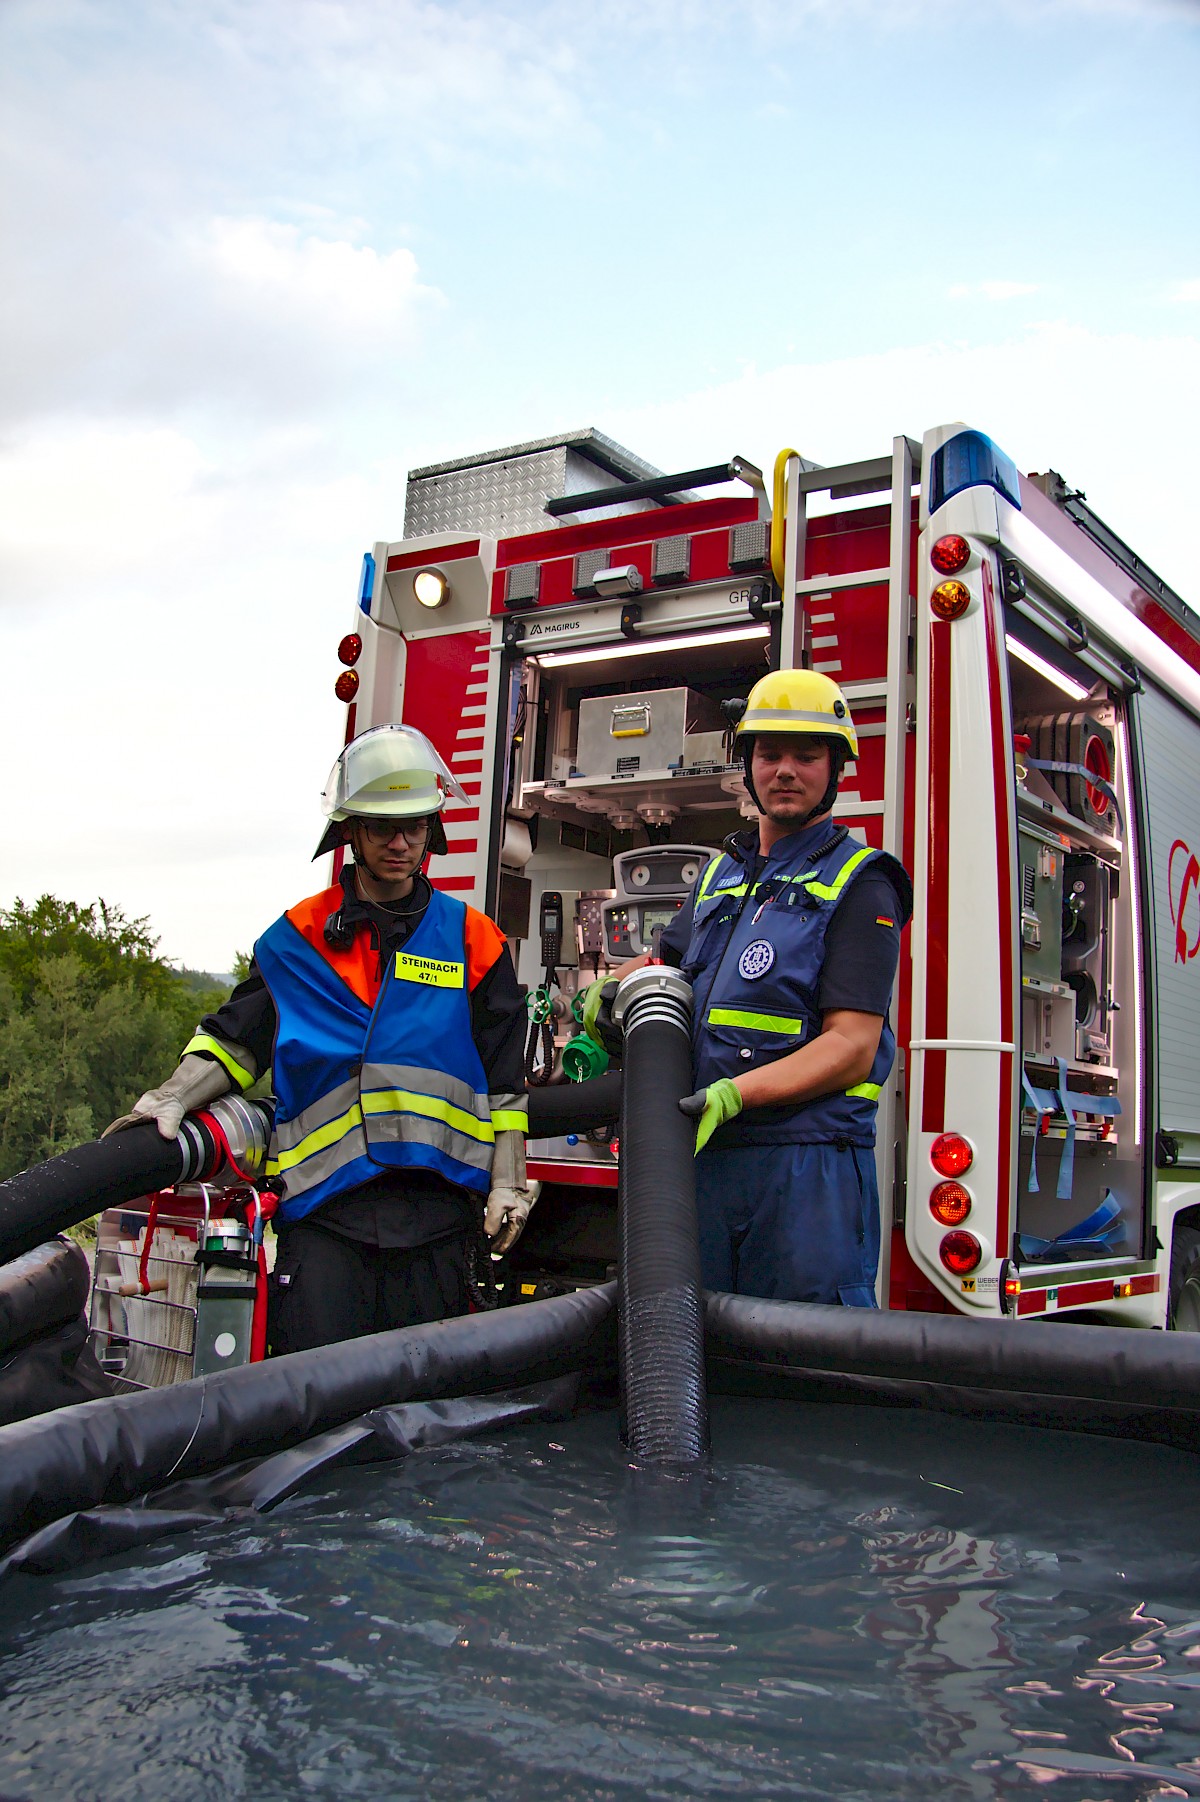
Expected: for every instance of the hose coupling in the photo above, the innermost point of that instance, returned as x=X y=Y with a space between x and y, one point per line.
x=655 y=992
x=243 y=1139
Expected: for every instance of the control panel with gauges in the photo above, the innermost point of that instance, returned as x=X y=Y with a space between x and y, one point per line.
x=651 y=885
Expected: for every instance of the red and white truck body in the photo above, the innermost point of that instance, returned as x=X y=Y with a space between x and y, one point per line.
x=564 y=624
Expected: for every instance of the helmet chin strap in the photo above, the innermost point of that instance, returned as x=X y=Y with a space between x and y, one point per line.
x=837 y=759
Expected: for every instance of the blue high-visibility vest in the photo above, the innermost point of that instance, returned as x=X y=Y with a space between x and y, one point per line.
x=754 y=960
x=360 y=1089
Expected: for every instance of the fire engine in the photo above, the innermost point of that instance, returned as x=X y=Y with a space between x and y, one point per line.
x=565 y=622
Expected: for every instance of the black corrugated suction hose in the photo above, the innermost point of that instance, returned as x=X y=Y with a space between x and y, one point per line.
x=37 y=1203
x=661 y=1324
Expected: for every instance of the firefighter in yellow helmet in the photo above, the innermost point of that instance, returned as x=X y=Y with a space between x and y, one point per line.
x=790 y=940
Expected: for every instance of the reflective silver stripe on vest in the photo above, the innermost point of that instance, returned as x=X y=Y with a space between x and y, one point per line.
x=325 y=1122
x=324 y=1163
x=406 y=1077
x=405 y=1105
x=392 y=1128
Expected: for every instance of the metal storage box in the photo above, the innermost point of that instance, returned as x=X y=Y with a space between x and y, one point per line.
x=505 y=491
x=631 y=735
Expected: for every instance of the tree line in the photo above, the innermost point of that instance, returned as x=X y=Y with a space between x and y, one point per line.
x=90 y=1017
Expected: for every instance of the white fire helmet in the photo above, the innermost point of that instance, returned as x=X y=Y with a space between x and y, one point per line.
x=390 y=772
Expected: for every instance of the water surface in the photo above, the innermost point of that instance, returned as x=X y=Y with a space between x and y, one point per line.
x=862 y=1604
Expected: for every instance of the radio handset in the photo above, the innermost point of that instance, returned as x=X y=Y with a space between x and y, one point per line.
x=551 y=919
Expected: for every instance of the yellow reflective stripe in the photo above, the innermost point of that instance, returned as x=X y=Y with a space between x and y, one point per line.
x=867 y=1091
x=829 y=891
x=404 y=1101
x=733 y=1016
x=319 y=1139
x=709 y=870
x=509 y=1120
x=204 y=1041
x=434 y=972
x=707 y=894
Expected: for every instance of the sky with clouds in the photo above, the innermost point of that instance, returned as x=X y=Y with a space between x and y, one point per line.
x=263 y=256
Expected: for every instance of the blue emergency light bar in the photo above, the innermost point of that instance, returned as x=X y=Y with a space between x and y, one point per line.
x=366 y=587
x=971 y=460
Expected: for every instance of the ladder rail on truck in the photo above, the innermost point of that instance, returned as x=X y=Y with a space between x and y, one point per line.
x=936 y=702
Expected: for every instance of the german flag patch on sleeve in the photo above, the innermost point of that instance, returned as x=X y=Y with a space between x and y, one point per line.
x=882 y=920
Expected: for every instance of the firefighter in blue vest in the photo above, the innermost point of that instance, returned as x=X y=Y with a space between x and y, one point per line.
x=790 y=940
x=390 y=1016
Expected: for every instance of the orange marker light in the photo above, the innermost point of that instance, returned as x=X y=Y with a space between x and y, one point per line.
x=950 y=1203
x=961 y=1253
x=950 y=600
x=950 y=554
x=346 y=686
x=951 y=1154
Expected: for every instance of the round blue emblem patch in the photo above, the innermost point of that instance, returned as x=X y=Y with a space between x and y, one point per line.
x=756 y=960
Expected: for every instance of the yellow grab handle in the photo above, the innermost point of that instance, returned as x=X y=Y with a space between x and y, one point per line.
x=779 y=512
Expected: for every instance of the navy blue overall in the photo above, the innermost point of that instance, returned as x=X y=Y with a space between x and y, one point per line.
x=787 y=1196
x=399 y=1085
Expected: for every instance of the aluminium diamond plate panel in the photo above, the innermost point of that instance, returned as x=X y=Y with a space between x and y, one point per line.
x=504 y=493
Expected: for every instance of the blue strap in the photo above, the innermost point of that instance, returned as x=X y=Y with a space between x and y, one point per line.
x=1104 y=1228
x=1033 y=1097
x=1054 y=1101
x=1077 y=769
x=1101 y=1223
x=1066 y=1168
x=1045 y=1101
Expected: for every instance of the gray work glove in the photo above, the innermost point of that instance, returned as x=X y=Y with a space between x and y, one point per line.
x=193 y=1083
x=511 y=1195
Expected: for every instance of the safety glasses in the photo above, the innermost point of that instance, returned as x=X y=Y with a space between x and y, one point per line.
x=382 y=832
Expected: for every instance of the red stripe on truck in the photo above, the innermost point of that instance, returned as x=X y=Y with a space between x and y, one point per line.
x=432 y=555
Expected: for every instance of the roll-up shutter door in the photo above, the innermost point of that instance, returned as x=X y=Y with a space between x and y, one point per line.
x=1171 y=752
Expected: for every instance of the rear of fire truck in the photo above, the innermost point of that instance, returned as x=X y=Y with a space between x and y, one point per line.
x=565 y=623
x=1052 y=1097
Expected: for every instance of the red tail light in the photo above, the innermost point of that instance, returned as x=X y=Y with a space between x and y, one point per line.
x=346 y=686
x=951 y=1154
x=350 y=649
x=950 y=1203
x=961 y=1253
x=950 y=554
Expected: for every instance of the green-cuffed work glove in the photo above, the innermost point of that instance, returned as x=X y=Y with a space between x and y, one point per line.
x=597 y=1014
x=712 y=1107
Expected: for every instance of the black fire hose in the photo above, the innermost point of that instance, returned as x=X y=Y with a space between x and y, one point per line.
x=37 y=1203
x=661 y=1321
x=40 y=1290
x=575 y=1107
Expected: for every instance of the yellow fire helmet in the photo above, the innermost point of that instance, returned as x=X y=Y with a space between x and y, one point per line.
x=390 y=772
x=800 y=701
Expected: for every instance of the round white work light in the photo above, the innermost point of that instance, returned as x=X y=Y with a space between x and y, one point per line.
x=431 y=587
